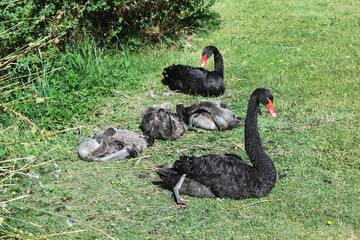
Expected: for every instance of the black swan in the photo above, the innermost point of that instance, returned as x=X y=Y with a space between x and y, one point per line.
x=227 y=176
x=197 y=81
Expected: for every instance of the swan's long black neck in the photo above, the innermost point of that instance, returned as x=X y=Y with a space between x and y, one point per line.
x=218 y=63
x=253 y=146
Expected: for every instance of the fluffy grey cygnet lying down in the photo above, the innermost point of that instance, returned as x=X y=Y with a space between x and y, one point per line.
x=113 y=145
x=208 y=114
x=161 y=123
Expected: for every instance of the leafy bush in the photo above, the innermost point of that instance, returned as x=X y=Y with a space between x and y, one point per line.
x=126 y=20
x=158 y=19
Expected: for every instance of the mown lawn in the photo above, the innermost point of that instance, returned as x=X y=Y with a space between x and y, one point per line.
x=307 y=53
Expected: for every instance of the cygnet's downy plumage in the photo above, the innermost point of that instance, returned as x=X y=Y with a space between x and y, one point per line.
x=208 y=114
x=161 y=123
x=113 y=145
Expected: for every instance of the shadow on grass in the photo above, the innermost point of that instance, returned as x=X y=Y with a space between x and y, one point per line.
x=204 y=22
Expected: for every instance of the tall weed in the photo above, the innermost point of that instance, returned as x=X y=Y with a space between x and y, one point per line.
x=87 y=74
x=19 y=132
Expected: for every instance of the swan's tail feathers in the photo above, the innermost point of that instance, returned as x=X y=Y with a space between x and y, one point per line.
x=169 y=176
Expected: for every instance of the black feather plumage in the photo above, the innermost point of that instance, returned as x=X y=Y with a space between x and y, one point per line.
x=197 y=81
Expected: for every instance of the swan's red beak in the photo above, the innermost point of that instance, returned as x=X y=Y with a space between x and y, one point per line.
x=204 y=59
x=270 y=107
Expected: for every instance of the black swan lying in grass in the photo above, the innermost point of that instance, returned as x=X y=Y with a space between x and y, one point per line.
x=197 y=81
x=227 y=176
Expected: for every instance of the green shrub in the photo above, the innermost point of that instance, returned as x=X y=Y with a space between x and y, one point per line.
x=158 y=19
x=126 y=20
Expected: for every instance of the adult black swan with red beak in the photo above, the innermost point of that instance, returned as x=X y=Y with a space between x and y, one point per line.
x=197 y=81
x=227 y=176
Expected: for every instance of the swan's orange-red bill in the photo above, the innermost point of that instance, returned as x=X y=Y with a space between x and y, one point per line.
x=204 y=59
x=270 y=107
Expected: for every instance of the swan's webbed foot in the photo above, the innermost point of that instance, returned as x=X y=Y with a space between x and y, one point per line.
x=177 y=187
x=181 y=201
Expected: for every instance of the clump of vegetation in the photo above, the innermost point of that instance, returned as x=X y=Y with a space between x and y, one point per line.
x=157 y=20
x=107 y=20
x=82 y=75
x=17 y=130
x=86 y=74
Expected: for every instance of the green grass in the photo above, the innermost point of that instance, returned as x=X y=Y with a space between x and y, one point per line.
x=307 y=53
